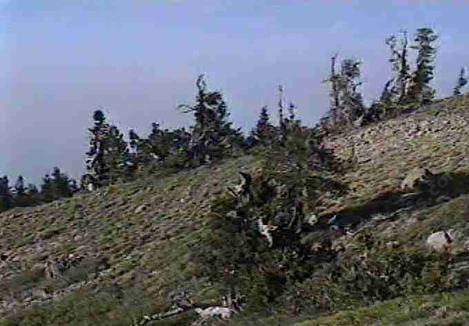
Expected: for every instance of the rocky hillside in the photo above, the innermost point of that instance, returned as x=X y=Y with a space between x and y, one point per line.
x=117 y=254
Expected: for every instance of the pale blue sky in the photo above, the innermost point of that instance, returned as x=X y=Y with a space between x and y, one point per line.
x=60 y=60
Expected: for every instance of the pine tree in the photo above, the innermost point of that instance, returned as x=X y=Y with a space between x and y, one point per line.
x=21 y=199
x=179 y=149
x=420 y=90
x=351 y=100
x=160 y=143
x=32 y=194
x=63 y=186
x=400 y=66
x=461 y=82
x=32 y=190
x=263 y=133
x=334 y=94
x=6 y=198
x=47 y=193
x=346 y=99
x=25 y=196
x=117 y=156
x=213 y=136
x=19 y=186
x=282 y=122
x=108 y=158
x=57 y=185
x=138 y=153
x=95 y=163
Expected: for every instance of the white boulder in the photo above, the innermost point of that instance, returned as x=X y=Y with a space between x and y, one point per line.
x=440 y=241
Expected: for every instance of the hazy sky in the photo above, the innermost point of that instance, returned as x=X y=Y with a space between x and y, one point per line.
x=138 y=59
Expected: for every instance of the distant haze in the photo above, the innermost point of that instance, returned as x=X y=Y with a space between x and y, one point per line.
x=138 y=60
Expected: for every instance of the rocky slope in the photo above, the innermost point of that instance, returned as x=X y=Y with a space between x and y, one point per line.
x=119 y=253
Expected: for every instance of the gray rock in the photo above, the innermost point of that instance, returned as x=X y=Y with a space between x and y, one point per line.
x=415 y=177
x=140 y=209
x=440 y=241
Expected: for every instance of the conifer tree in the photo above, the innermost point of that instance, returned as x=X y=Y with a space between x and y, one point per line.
x=213 y=136
x=47 y=191
x=6 y=198
x=21 y=198
x=282 y=122
x=117 y=156
x=420 y=90
x=461 y=82
x=19 y=186
x=334 y=80
x=179 y=149
x=95 y=163
x=346 y=103
x=400 y=66
x=162 y=147
x=263 y=133
x=108 y=158
x=63 y=186
x=160 y=142
x=32 y=195
x=57 y=185
x=32 y=190
x=350 y=97
x=137 y=151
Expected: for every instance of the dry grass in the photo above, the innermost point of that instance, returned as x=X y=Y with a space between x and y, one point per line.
x=144 y=231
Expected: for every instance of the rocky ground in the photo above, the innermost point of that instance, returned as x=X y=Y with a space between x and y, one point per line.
x=111 y=256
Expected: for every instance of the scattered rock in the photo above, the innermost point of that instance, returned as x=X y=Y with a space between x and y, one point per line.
x=392 y=244
x=312 y=219
x=440 y=241
x=140 y=209
x=221 y=312
x=415 y=177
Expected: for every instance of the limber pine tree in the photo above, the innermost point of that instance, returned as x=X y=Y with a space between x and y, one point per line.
x=212 y=135
x=346 y=103
x=420 y=91
x=108 y=158
x=21 y=198
x=6 y=198
x=117 y=156
x=399 y=48
x=351 y=97
x=57 y=185
x=162 y=148
x=264 y=132
x=19 y=186
x=334 y=93
x=461 y=82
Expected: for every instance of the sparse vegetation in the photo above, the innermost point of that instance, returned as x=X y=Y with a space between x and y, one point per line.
x=326 y=226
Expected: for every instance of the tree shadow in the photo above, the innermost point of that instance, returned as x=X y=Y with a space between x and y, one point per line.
x=439 y=188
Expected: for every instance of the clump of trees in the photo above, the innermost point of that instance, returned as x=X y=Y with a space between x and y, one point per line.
x=408 y=88
x=257 y=245
x=112 y=158
x=108 y=158
x=346 y=101
x=54 y=186
x=212 y=137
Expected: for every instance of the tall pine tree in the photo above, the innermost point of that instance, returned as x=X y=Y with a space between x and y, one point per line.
x=346 y=104
x=108 y=158
x=212 y=136
x=400 y=66
x=420 y=90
